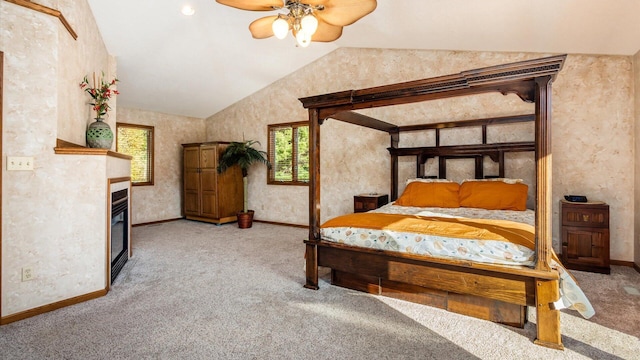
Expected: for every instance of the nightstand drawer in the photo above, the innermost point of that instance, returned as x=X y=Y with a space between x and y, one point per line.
x=366 y=202
x=585 y=216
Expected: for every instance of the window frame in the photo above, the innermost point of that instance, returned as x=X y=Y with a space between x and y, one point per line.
x=271 y=150
x=150 y=151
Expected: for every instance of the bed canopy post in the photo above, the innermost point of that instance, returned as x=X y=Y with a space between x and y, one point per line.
x=395 y=140
x=311 y=252
x=548 y=318
x=543 y=171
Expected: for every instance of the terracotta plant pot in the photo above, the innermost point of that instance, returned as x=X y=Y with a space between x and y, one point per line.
x=245 y=219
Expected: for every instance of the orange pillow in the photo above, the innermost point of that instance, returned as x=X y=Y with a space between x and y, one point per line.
x=493 y=195
x=435 y=194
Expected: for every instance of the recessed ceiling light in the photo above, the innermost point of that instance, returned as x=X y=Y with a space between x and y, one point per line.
x=188 y=10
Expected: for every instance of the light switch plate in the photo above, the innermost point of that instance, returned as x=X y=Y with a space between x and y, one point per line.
x=19 y=163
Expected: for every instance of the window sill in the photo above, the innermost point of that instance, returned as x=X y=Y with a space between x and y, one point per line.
x=293 y=183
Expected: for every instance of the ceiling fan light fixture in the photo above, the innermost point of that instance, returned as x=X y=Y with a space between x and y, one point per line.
x=300 y=19
x=307 y=20
x=280 y=27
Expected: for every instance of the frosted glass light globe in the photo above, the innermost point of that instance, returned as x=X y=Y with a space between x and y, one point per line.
x=309 y=24
x=303 y=38
x=280 y=28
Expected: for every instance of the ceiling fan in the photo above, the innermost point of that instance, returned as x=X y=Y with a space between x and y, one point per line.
x=308 y=20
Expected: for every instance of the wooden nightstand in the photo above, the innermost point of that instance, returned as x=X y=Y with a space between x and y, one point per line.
x=584 y=228
x=366 y=202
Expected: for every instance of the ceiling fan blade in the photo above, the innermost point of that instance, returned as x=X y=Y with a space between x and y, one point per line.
x=261 y=28
x=343 y=12
x=326 y=32
x=253 y=5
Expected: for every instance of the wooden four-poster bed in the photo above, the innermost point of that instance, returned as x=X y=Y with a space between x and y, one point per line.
x=490 y=291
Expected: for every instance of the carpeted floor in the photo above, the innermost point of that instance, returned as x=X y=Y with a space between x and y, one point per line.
x=200 y=291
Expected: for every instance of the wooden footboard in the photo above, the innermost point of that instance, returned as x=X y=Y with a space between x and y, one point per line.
x=478 y=307
x=485 y=291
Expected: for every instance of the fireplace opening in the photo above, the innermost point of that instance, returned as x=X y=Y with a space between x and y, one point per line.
x=119 y=231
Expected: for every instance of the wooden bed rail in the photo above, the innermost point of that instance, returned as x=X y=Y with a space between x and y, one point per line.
x=471 y=265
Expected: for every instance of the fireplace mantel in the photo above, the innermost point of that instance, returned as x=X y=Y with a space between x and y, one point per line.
x=68 y=148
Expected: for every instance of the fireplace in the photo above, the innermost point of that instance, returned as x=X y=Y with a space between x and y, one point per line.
x=119 y=231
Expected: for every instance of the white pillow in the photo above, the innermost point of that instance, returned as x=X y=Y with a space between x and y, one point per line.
x=504 y=180
x=427 y=180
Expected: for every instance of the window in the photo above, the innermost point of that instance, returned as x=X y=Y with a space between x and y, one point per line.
x=289 y=153
x=137 y=141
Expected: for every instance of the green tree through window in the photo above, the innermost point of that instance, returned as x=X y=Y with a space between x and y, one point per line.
x=289 y=153
x=137 y=141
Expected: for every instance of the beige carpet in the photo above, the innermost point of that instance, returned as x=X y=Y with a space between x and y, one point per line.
x=200 y=291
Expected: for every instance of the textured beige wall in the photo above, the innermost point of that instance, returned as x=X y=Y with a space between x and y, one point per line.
x=77 y=58
x=592 y=129
x=593 y=151
x=53 y=218
x=163 y=199
x=636 y=81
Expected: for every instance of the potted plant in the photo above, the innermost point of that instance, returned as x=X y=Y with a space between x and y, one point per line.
x=244 y=155
x=99 y=134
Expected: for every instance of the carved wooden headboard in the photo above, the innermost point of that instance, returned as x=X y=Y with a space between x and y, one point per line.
x=477 y=152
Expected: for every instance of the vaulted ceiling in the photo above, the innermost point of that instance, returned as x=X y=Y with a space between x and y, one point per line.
x=198 y=65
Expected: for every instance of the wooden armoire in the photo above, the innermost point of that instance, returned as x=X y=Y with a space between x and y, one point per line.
x=209 y=196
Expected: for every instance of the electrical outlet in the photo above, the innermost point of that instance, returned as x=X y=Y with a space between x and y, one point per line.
x=27 y=274
x=19 y=163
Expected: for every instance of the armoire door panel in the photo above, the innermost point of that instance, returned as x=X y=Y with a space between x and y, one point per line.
x=191 y=158
x=208 y=180
x=209 y=208
x=192 y=203
x=208 y=156
x=191 y=181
